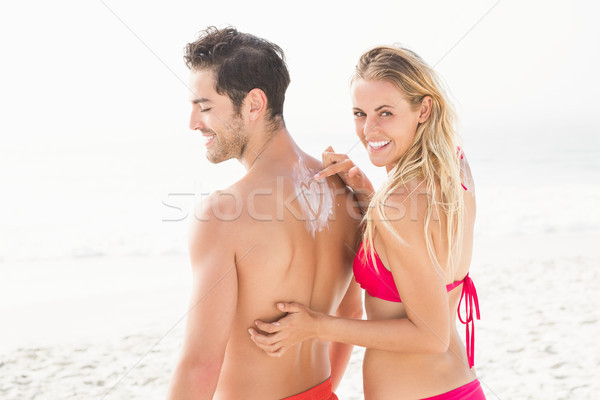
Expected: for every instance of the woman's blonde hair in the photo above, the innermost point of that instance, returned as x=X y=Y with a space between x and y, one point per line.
x=432 y=157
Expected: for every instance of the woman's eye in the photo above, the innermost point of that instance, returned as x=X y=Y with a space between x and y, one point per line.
x=358 y=114
x=386 y=114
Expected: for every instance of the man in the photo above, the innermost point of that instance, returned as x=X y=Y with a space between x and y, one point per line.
x=275 y=235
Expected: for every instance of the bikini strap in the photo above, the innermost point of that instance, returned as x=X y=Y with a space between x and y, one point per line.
x=471 y=300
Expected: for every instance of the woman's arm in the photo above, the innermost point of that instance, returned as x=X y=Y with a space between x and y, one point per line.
x=339 y=353
x=420 y=284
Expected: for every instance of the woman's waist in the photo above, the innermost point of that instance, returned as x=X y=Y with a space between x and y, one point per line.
x=408 y=372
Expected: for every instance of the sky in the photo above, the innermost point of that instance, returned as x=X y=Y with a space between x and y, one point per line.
x=77 y=70
x=94 y=94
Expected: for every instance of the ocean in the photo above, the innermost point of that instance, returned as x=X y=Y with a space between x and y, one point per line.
x=135 y=197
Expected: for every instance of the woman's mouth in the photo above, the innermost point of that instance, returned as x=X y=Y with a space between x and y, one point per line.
x=378 y=145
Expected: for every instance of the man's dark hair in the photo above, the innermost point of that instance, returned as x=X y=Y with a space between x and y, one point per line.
x=241 y=62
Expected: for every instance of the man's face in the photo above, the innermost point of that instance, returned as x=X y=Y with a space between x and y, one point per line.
x=214 y=115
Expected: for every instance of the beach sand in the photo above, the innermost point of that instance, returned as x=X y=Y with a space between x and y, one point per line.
x=120 y=338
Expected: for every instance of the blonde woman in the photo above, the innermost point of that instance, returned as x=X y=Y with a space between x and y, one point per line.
x=416 y=252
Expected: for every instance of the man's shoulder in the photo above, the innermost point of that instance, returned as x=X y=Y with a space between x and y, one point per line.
x=220 y=206
x=215 y=226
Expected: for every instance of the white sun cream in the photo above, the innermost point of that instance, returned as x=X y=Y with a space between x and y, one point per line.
x=314 y=197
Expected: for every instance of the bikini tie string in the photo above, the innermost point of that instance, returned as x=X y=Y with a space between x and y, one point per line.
x=470 y=295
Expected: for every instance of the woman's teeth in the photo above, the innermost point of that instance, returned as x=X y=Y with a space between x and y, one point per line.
x=378 y=145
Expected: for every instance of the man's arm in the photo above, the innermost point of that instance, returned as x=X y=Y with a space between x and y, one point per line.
x=339 y=353
x=212 y=308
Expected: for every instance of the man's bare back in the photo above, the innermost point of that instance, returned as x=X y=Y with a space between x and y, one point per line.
x=284 y=257
x=275 y=235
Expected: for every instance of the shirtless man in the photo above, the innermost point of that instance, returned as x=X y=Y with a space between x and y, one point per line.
x=274 y=235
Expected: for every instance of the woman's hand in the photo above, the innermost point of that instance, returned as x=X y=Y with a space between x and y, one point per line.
x=299 y=325
x=344 y=167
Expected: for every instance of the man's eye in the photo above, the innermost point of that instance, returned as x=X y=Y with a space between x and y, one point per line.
x=204 y=109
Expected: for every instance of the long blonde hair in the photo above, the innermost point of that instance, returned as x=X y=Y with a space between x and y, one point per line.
x=432 y=157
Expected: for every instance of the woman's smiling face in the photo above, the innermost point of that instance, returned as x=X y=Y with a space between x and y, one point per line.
x=385 y=121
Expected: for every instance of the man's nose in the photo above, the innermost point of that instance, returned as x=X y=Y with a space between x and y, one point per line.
x=196 y=122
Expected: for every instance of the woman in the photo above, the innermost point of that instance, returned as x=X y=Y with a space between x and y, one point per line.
x=416 y=251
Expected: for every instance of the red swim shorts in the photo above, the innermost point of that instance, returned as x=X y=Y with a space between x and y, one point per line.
x=320 y=392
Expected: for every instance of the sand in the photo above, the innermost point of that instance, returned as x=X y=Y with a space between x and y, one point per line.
x=537 y=338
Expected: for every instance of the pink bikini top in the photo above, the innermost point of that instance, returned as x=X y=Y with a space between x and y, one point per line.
x=380 y=283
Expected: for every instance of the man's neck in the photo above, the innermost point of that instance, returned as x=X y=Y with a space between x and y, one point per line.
x=268 y=148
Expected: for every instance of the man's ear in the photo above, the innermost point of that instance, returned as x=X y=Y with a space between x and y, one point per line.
x=256 y=102
x=425 y=109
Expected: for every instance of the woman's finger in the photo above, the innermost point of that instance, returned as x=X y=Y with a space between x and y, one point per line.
x=329 y=149
x=333 y=158
x=260 y=338
x=334 y=169
x=354 y=172
x=267 y=348
x=277 y=353
x=289 y=307
x=269 y=327
x=329 y=155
